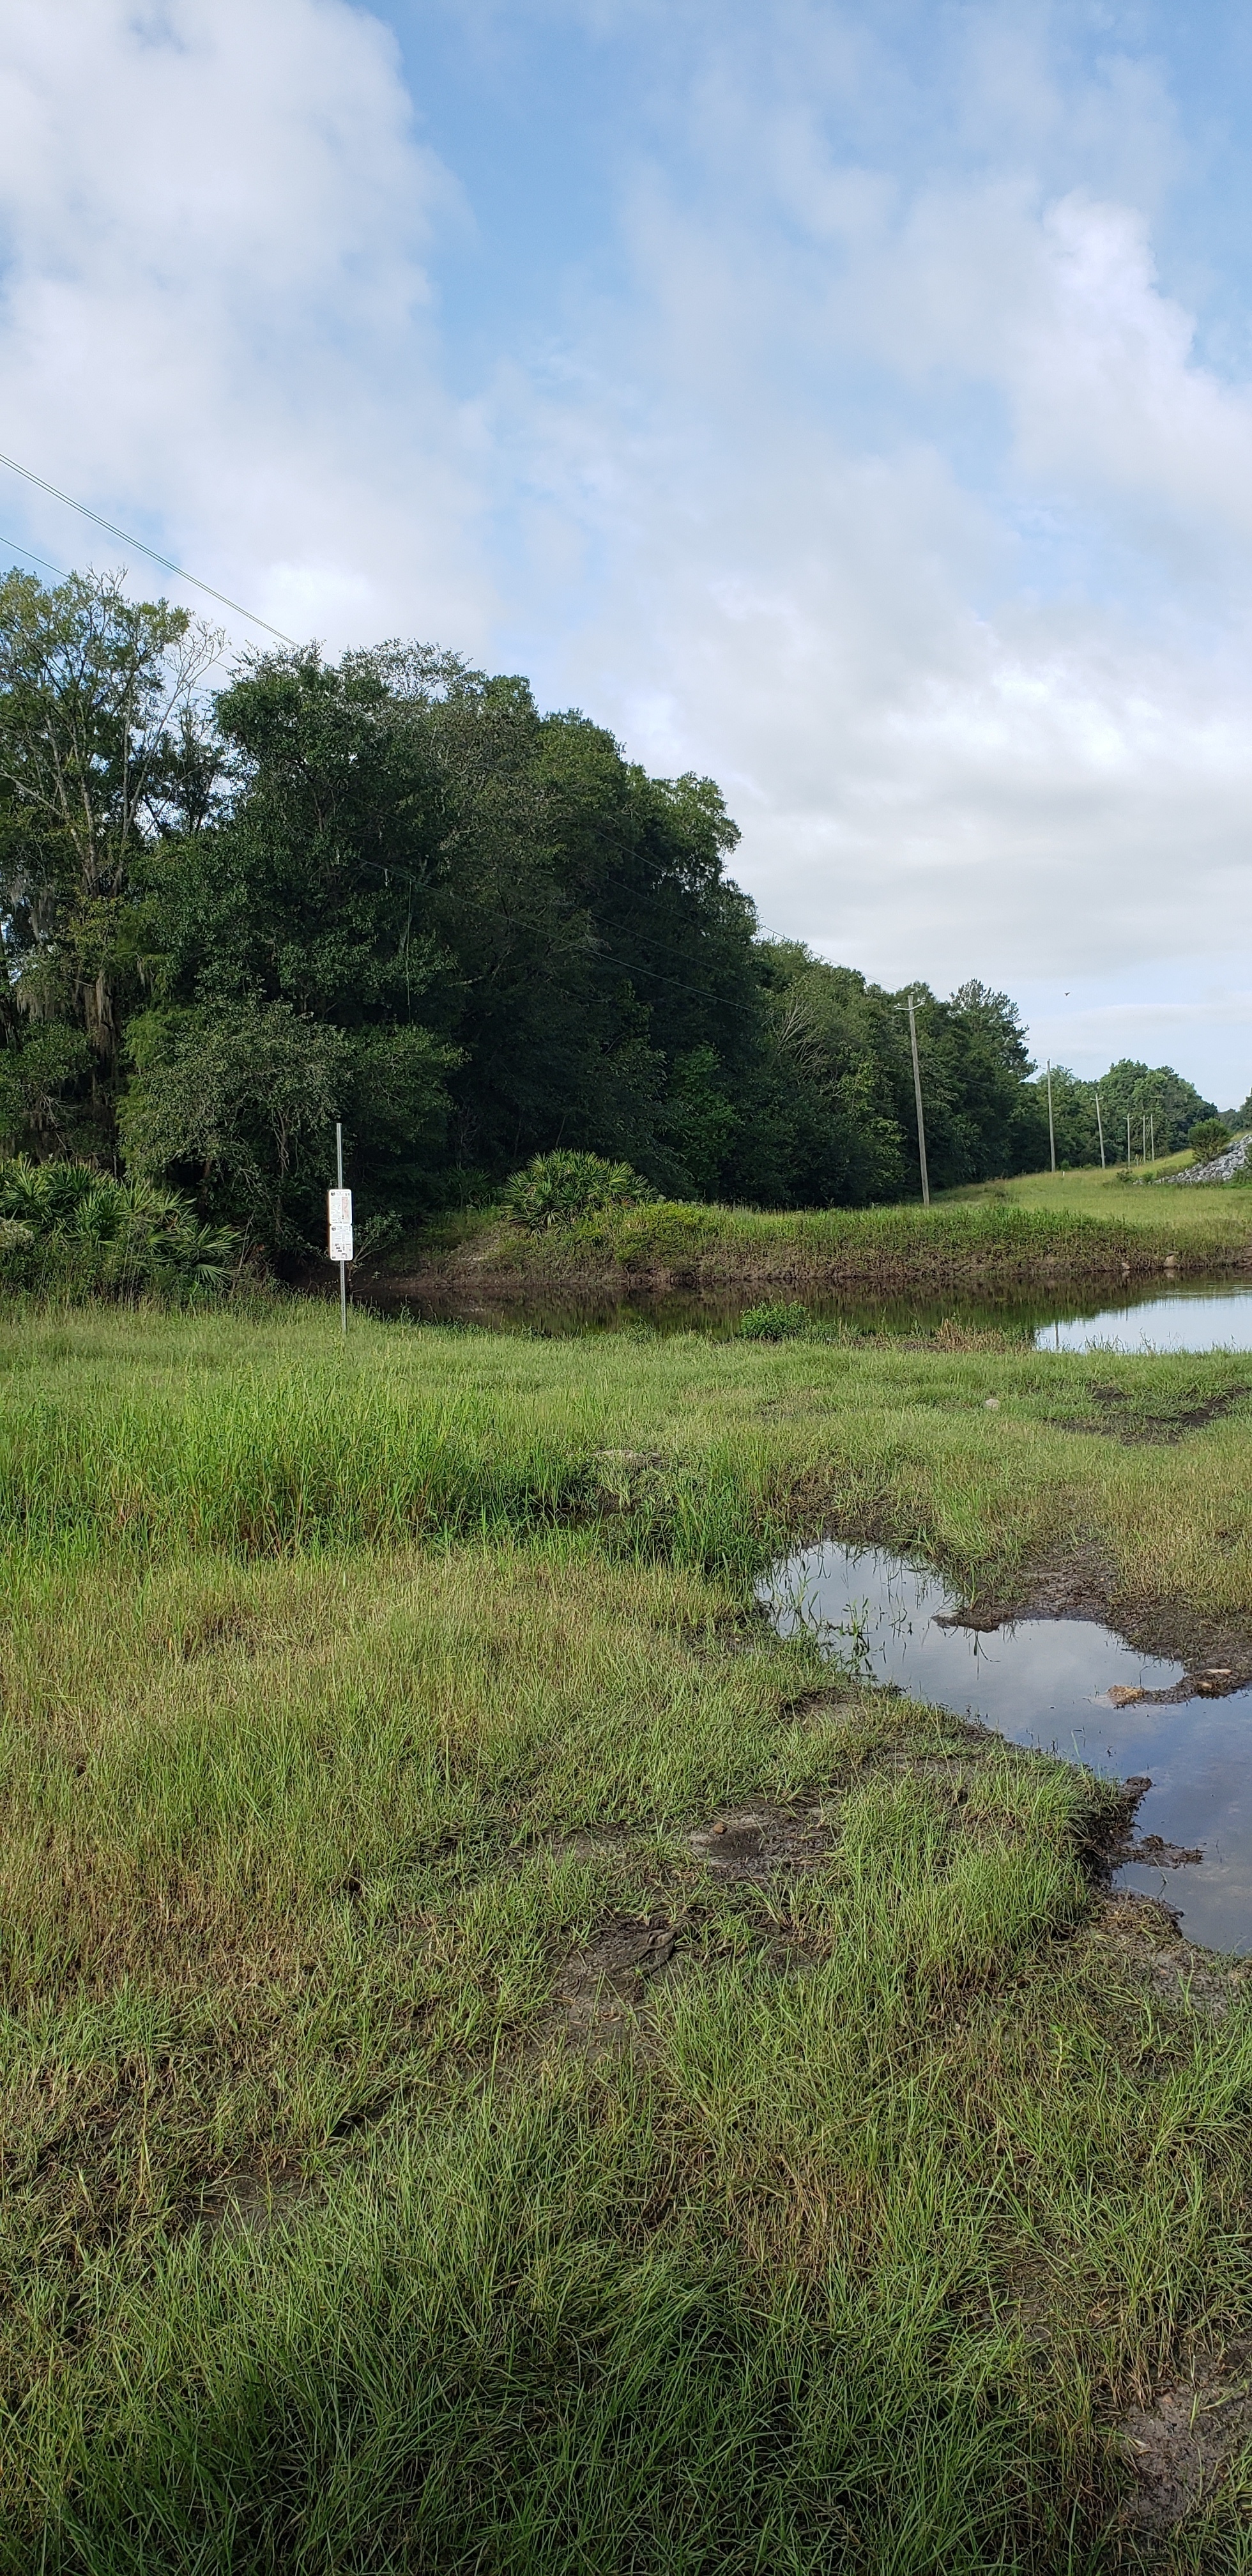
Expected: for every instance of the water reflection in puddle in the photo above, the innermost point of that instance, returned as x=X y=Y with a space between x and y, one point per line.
x=1187 y=1318
x=1044 y=1682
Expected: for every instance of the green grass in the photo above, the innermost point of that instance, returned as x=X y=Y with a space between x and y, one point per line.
x=346 y=1694
x=152 y=1434
x=1223 y=1209
x=1072 y=1224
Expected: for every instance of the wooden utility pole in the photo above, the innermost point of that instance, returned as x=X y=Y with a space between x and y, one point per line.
x=917 y=1095
x=1100 y=1125
x=1051 y=1128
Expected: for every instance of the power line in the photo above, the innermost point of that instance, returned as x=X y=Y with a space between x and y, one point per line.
x=31 y=557
x=127 y=540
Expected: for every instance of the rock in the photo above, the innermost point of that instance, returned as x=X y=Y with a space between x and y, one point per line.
x=1222 y=1168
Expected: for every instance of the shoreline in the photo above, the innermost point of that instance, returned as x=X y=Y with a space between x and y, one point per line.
x=661 y=1250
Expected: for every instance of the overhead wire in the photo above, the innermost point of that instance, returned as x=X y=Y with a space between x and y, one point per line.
x=127 y=540
x=32 y=557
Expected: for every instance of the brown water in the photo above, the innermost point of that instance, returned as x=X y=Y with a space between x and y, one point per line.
x=1046 y=1682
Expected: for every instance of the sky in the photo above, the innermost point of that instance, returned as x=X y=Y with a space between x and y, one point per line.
x=851 y=402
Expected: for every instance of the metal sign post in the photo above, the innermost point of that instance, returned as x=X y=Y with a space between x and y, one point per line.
x=339 y=1216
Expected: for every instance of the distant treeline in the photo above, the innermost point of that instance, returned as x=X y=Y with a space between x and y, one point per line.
x=388 y=890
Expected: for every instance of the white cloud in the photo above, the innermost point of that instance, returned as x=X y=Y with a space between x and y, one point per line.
x=889 y=487
x=215 y=318
x=930 y=538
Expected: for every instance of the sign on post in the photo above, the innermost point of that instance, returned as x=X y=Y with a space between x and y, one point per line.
x=339 y=1206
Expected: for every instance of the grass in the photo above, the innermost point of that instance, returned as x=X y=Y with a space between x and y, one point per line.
x=1145 y=1201
x=1080 y=1225
x=349 y=1693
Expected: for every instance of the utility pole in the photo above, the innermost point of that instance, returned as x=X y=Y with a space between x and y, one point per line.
x=1128 y=1140
x=1152 y=1126
x=917 y=1094
x=1144 y=1139
x=1051 y=1128
x=1100 y=1125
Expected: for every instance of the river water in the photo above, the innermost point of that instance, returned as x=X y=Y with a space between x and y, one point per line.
x=1046 y=1682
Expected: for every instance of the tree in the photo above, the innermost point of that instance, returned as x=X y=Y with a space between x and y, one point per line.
x=1156 y=1095
x=410 y=848
x=101 y=748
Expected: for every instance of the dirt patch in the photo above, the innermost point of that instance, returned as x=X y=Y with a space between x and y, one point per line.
x=1144 y=1934
x=1119 y=1418
x=600 y=1993
x=752 y=1843
x=1179 y=2448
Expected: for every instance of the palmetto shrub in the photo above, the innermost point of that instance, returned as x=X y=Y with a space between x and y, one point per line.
x=558 y=1189
x=66 y=1229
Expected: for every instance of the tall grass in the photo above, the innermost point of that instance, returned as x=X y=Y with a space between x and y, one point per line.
x=158 y=1435
x=325 y=2240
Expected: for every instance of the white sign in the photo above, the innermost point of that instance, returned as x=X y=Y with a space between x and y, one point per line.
x=339 y=1210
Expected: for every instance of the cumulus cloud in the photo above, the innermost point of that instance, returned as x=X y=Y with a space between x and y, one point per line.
x=927 y=531
x=870 y=462
x=215 y=311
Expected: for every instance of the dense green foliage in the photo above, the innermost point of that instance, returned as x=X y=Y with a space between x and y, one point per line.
x=66 y=1230
x=1208 y=1137
x=558 y=1189
x=1162 y=1109
x=390 y=891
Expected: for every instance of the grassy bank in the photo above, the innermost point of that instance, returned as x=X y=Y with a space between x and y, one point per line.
x=1065 y=1225
x=424 y=2146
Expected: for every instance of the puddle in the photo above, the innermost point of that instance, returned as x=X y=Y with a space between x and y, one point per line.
x=1047 y=1682
x=1186 y=1318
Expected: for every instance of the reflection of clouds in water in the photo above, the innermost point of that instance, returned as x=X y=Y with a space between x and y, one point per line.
x=1212 y=1320
x=1045 y=1682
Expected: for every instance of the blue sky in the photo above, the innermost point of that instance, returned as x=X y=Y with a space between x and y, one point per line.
x=854 y=402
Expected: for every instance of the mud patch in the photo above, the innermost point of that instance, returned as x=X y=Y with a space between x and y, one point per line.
x=1119 y=1418
x=1180 y=2448
x=600 y=1993
x=1083 y=1585
x=1145 y=1934
x=752 y=1843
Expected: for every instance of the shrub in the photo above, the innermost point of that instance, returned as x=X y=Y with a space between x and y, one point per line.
x=773 y=1323
x=66 y=1229
x=558 y=1189
x=1208 y=1137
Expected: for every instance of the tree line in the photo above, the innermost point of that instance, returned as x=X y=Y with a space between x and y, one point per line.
x=389 y=890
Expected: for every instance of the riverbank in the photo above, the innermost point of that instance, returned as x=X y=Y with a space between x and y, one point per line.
x=506 y=2060
x=1075 y=1227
